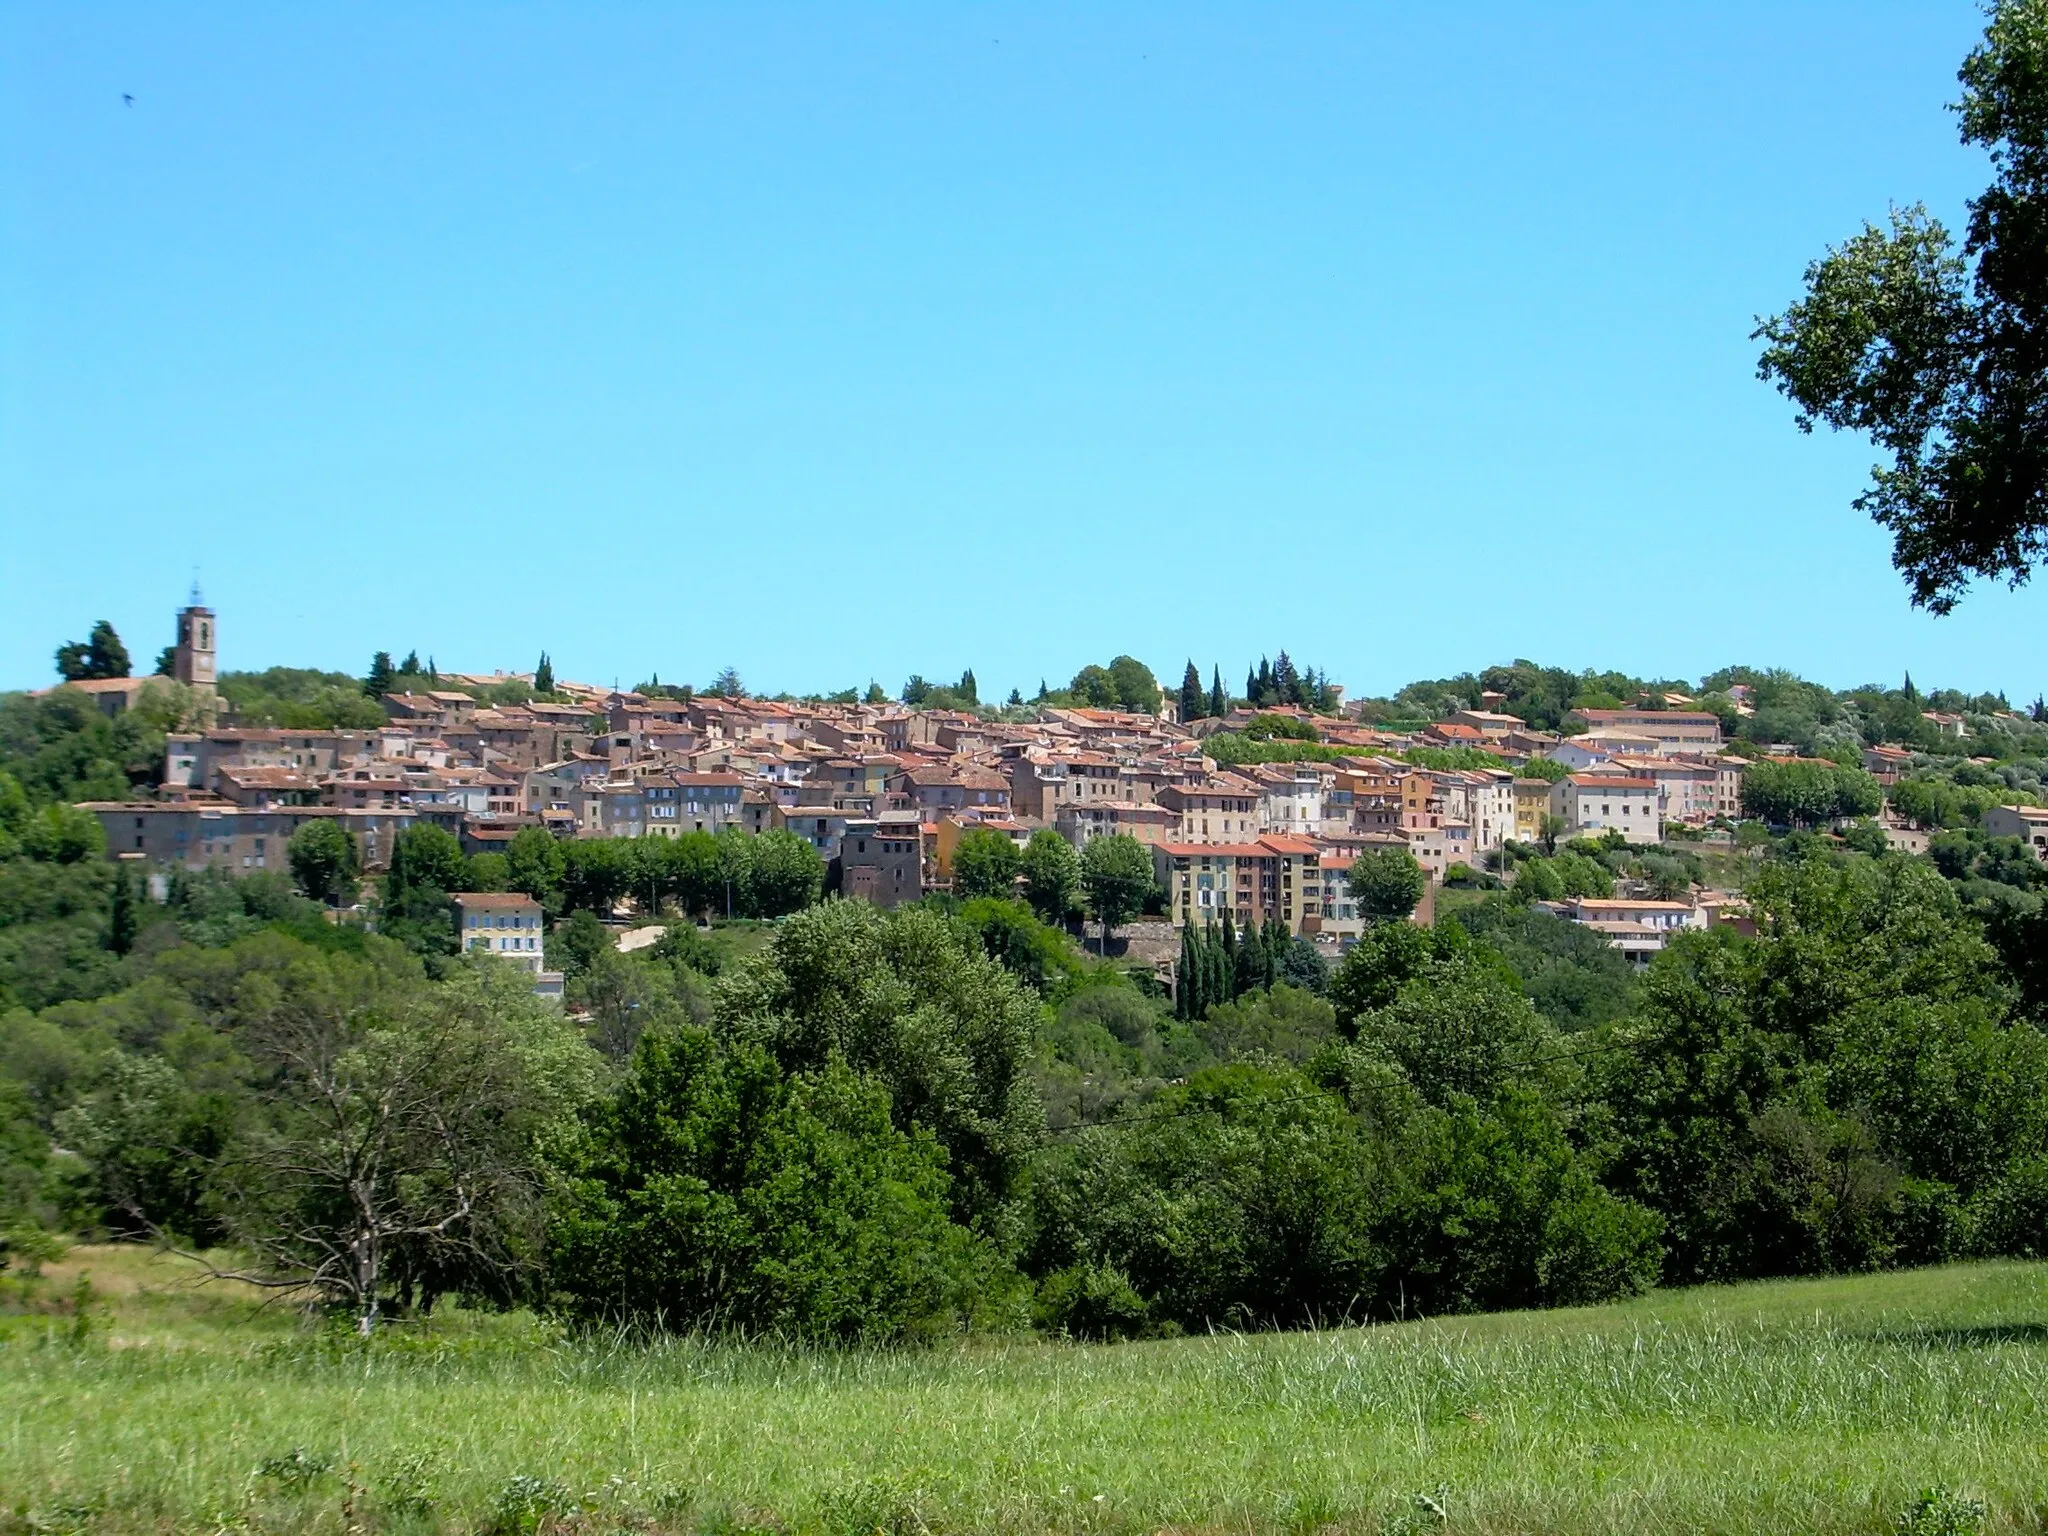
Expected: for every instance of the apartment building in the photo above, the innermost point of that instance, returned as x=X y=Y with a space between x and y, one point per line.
x=1224 y=809
x=1254 y=881
x=1674 y=730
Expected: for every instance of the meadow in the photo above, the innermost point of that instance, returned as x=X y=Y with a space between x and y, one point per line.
x=1817 y=1405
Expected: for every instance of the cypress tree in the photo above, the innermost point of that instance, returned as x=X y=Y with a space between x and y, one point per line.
x=1214 y=988
x=1190 y=693
x=1251 y=962
x=1184 y=978
x=1229 y=949
x=1251 y=686
x=1219 y=705
x=122 y=919
x=1277 y=940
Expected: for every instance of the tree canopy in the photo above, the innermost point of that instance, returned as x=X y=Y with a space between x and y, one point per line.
x=1934 y=350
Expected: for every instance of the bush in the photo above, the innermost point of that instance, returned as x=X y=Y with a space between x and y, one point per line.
x=1089 y=1301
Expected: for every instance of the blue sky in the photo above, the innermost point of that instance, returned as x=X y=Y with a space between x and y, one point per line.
x=842 y=342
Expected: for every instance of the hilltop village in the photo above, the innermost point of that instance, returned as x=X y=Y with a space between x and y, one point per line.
x=1256 y=808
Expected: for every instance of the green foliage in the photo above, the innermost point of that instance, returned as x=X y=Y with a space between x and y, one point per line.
x=1454 y=759
x=60 y=747
x=325 y=860
x=1233 y=749
x=985 y=863
x=1843 y=1091
x=1286 y=1022
x=1807 y=794
x=100 y=655
x=718 y=1190
x=1386 y=883
x=1116 y=878
x=1922 y=347
x=1052 y=876
x=1125 y=684
x=1035 y=953
x=1572 y=975
x=907 y=998
x=296 y=698
x=1281 y=727
x=427 y=868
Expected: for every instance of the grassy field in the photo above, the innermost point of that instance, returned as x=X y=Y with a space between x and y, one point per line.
x=1810 y=1406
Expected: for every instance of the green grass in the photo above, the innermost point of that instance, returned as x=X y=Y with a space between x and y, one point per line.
x=1802 y=1406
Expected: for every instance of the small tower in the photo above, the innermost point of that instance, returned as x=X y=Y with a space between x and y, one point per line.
x=192 y=664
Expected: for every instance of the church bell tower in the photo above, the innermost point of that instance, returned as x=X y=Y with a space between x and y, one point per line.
x=192 y=663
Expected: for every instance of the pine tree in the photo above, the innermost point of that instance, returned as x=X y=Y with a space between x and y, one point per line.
x=378 y=683
x=410 y=667
x=1190 y=693
x=1219 y=705
x=544 y=675
x=1912 y=693
x=1286 y=681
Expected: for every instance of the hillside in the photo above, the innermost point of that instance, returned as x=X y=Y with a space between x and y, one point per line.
x=1821 y=1405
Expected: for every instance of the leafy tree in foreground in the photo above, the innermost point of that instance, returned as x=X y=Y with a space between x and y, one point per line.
x=401 y=1138
x=325 y=860
x=985 y=863
x=1052 y=875
x=717 y=1190
x=1116 y=877
x=1936 y=353
x=787 y=873
x=909 y=998
x=1386 y=883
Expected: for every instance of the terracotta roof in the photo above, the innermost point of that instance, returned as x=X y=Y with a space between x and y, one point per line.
x=495 y=901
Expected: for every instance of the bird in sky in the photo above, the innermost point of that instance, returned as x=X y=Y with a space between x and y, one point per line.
x=127 y=100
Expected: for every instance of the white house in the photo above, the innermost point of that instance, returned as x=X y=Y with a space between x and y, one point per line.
x=1593 y=803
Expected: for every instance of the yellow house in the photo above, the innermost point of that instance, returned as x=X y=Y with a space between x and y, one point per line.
x=1532 y=804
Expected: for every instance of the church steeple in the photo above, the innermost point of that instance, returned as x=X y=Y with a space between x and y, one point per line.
x=192 y=662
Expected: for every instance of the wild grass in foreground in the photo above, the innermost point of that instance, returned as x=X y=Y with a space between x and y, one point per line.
x=1804 y=1406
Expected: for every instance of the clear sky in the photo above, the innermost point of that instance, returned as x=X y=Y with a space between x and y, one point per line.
x=841 y=342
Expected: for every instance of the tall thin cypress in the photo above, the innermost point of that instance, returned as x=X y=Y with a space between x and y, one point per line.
x=1184 y=981
x=1190 y=693
x=1277 y=940
x=1251 y=962
x=1219 y=705
x=1229 y=948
